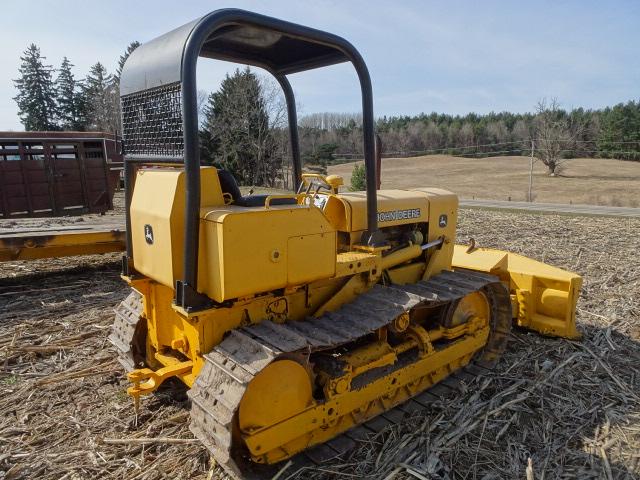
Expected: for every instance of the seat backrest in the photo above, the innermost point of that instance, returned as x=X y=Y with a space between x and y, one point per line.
x=229 y=185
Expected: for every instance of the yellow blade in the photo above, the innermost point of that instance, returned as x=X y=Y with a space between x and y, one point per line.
x=543 y=297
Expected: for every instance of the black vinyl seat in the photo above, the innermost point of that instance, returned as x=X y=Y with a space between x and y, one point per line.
x=230 y=186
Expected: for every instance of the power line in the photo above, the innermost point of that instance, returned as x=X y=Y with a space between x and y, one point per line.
x=488 y=153
x=453 y=150
x=434 y=150
x=630 y=152
x=609 y=142
x=591 y=141
x=488 y=145
x=518 y=151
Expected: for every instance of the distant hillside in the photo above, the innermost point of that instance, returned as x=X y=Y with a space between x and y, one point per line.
x=584 y=180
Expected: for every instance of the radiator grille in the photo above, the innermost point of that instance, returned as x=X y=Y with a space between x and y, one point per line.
x=152 y=122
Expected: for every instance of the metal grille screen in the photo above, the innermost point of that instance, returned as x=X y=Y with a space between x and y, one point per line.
x=152 y=122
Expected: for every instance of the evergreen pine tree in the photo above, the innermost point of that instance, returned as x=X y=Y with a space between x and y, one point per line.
x=620 y=132
x=99 y=89
x=82 y=107
x=236 y=132
x=67 y=97
x=209 y=143
x=36 y=92
x=115 y=92
x=358 y=178
x=123 y=58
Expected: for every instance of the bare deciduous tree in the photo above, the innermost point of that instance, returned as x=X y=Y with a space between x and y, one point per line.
x=202 y=97
x=497 y=132
x=522 y=132
x=433 y=136
x=465 y=135
x=330 y=120
x=555 y=135
x=272 y=136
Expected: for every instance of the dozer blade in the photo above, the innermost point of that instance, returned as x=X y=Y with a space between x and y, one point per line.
x=543 y=297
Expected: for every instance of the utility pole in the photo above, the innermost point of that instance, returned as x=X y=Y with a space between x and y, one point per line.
x=529 y=199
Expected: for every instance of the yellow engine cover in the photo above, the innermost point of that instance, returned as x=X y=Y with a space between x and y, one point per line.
x=243 y=251
x=437 y=207
x=253 y=250
x=157 y=219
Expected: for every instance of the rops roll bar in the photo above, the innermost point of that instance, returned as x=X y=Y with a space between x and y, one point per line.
x=159 y=106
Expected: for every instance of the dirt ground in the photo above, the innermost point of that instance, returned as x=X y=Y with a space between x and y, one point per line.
x=573 y=408
x=590 y=181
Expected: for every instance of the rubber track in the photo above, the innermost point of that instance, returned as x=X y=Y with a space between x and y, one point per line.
x=231 y=365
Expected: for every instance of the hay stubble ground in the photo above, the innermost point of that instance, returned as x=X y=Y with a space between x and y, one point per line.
x=572 y=407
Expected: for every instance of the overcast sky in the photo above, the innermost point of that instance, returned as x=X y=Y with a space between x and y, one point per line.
x=444 y=56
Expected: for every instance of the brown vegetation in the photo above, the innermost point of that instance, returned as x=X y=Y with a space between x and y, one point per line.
x=572 y=407
x=583 y=181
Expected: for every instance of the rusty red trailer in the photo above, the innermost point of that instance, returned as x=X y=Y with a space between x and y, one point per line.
x=58 y=173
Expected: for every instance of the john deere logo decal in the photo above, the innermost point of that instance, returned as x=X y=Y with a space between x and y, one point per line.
x=398 y=215
x=148 y=234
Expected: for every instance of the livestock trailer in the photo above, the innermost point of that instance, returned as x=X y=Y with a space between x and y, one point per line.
x=58 y=173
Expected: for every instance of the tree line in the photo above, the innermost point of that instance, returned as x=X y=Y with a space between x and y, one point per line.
x=612 y=132
x=244 y=124
x=54 y=99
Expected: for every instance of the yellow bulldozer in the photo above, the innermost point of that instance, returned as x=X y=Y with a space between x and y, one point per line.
x=296 y=319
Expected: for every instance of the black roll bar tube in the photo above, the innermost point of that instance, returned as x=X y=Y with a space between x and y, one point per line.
x=186 y=289
x=292 y=118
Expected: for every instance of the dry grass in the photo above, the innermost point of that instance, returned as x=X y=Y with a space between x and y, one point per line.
x=583 y=181
x=572 y=407
x=63 y=393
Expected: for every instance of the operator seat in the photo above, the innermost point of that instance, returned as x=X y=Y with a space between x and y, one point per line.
x=229 y=185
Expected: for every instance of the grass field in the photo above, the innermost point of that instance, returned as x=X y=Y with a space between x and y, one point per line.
x=584 y=180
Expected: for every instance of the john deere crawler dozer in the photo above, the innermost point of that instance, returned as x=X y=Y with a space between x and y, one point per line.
x=295 y=318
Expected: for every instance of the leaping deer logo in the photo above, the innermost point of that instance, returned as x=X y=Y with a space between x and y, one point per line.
x=148 y=234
